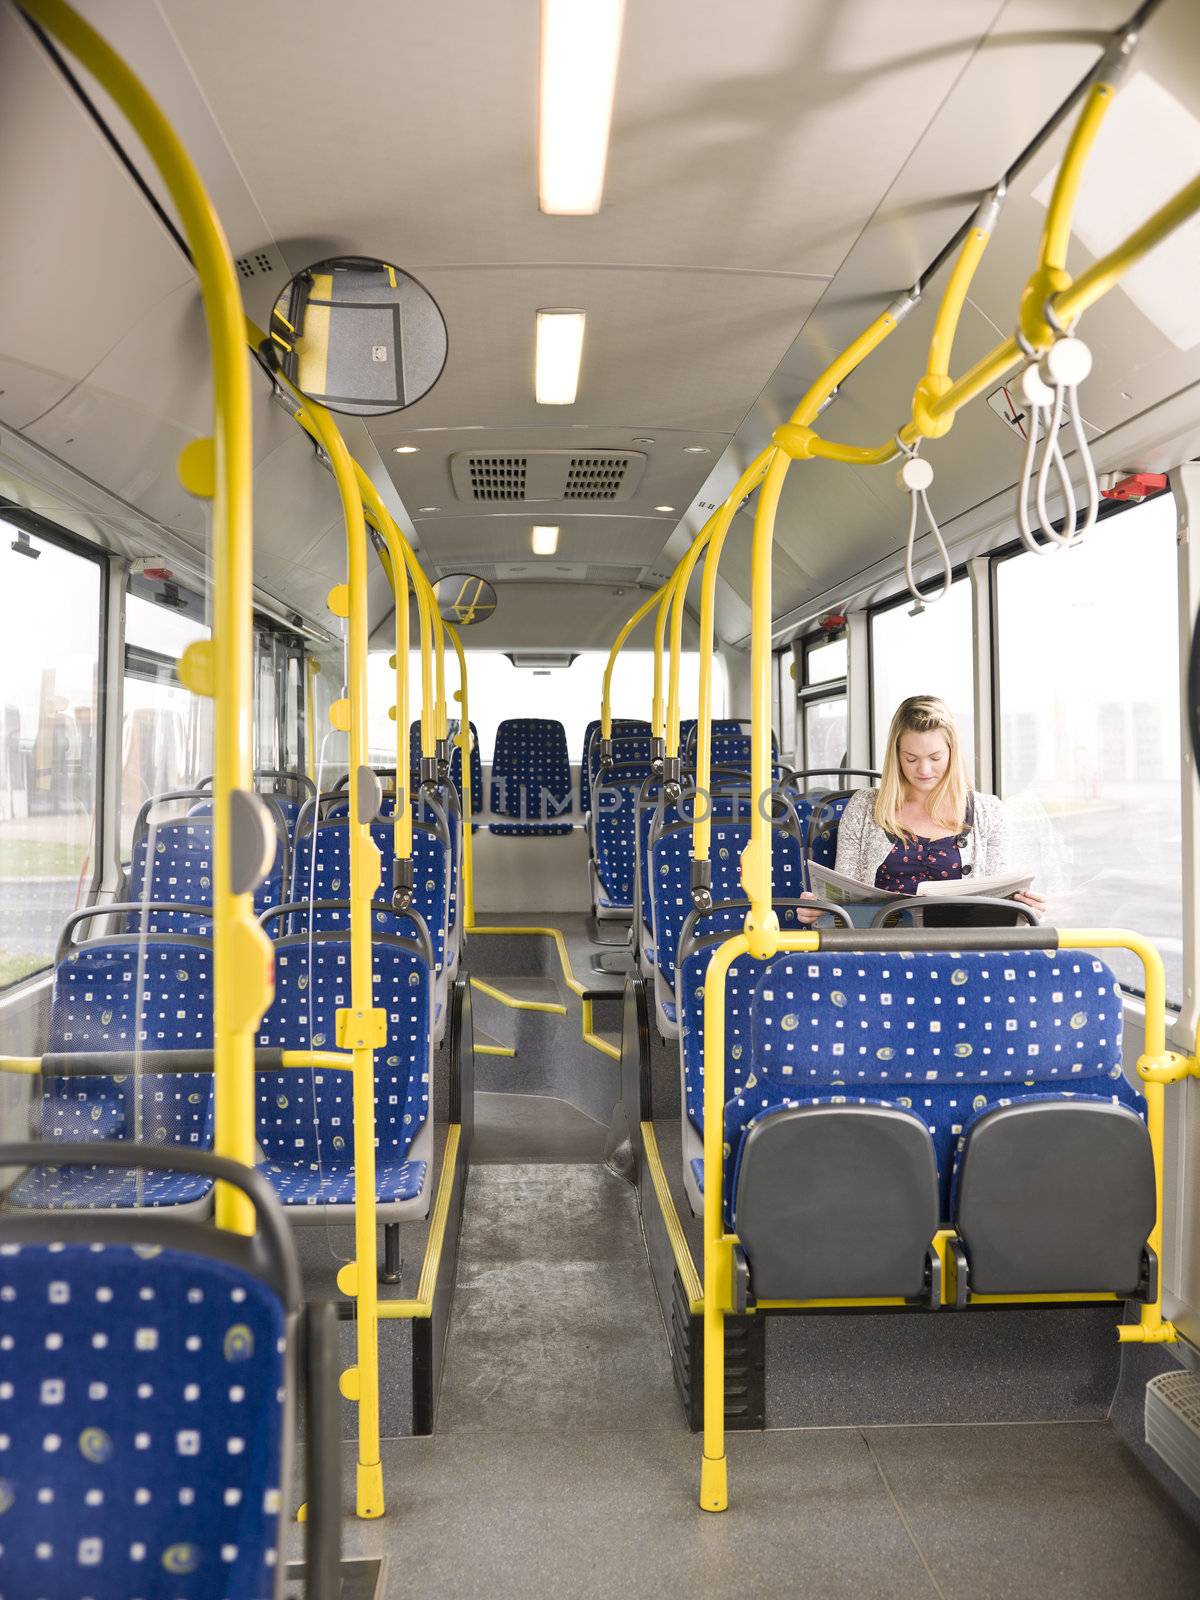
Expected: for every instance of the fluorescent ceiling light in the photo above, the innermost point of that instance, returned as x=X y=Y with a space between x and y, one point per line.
x=1148 y=147
x=544 y=541
x=695 y=449
x=559 y=352
x=405 y=449
x=581 y=41
x=664 y=508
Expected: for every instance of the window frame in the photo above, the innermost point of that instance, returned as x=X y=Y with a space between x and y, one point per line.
x=63 y=539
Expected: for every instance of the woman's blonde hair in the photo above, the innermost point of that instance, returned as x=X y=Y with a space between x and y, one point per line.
x=922 y=713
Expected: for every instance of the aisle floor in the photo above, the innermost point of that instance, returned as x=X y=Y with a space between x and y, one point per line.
x=561 y=1465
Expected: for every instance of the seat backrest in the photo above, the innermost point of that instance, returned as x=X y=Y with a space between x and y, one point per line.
x=118 y=996
x=589 y=764
x=309 y=1115
x=172 y=862
x=741 y=981
x=614 y=831
x=329 y=880
x=476 y=769
x=531 y=770
x=671 y=877
x=143 y=1383
x=654 y=816
x=942 y=1034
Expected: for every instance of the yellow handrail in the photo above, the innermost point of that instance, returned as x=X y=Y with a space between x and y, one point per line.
x=220 y=469
x=466 y=798
x=361 y=1026
x=642 y=611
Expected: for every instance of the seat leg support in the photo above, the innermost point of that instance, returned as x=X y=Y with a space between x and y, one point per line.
x=391 y=1253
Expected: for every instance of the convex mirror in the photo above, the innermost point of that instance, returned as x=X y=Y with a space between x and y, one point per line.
x=359 y=336
x=462 y=598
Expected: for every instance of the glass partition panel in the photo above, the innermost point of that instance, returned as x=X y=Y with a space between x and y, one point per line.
x=1088 y=707
x=50 y=628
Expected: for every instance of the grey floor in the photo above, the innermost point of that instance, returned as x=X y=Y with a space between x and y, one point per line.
x=561 y=1465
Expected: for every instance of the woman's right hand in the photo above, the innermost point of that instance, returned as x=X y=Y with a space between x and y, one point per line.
x=810 y=915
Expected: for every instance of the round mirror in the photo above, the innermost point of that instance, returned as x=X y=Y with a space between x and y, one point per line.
x=463 y=598
x=358 y=335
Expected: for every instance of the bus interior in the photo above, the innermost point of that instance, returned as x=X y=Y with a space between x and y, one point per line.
x=467 y=530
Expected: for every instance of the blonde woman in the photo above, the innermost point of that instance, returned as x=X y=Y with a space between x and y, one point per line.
x=924 y=821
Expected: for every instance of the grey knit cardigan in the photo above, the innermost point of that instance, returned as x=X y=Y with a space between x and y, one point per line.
x=863 y=846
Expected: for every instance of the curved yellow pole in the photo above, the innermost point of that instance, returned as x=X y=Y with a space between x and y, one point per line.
x=467 y=803
x=722 y=521
x=220 y=469
x=642 y=611
x=361 y=1026
x=681 y=582
x=397 y=573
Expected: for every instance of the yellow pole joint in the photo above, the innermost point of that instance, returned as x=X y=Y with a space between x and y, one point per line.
x=795 y=440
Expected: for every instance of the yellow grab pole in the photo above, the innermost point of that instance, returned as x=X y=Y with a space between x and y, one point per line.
x=467 y=807
x=642 y=611
x=762 y=925
x=722 y=522
x=220 y=469
x=657 y=743
x=361 y=1026
x=402 y=812
x=682 y=581
x=1050 y=275
x=1095 y=281
x=311 y=669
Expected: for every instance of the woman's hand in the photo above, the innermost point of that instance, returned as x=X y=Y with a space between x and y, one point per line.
x=1035 y=902
x=809 y=915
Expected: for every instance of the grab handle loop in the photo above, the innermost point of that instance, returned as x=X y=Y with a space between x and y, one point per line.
x=1048 y=385
x=915 y=476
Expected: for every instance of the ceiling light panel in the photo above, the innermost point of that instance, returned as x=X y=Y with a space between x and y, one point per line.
x=558 y=357
x=581 y=42
x=544 y=541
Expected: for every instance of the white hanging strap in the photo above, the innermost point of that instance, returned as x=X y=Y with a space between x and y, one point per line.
x=1049 y=384
x=915 y=476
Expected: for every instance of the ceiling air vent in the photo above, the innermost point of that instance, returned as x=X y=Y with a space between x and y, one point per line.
x=546 y=476
x=595 y=477
x=496 y=477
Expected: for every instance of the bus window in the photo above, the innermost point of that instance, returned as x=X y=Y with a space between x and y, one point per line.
x=497 y=689
x=166 y=737
x=50 y=611
x=931 y=653
x=821 y=702
x=1088 y=709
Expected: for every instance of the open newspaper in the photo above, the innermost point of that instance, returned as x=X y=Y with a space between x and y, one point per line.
x=836 y=886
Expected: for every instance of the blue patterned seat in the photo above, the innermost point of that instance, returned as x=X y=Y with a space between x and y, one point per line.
x=589 y=764
x=329 y=879
x=305 y=1120
x=141 y=1424
x=952 y=1042
x=145 y=1366
x=181 y=873
x=531 y=777
x=653 y=814
x=613 y=829
x=476 y=769
x=94 y=1011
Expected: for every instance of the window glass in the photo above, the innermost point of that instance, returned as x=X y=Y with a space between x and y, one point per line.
x=824 y=734
x=50 y=610
x=268 y=666
x=570 y=695
x=825 y=662
x=931 y=653
x=166 y=736
x=1089 y=729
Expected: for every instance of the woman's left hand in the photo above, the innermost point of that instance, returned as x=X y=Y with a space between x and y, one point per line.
x=1035 y=902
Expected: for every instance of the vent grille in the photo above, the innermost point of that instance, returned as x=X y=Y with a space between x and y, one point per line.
x=255 y=264
x=497 y=477
x=595 y=477
x=546 y=477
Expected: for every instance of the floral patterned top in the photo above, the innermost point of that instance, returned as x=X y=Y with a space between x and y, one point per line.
x=912 y=861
